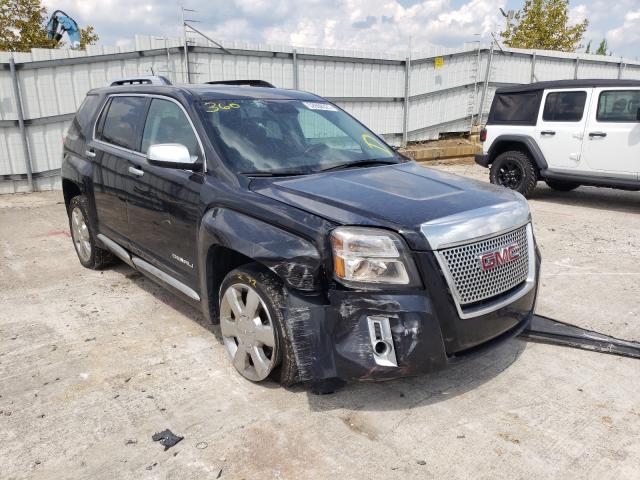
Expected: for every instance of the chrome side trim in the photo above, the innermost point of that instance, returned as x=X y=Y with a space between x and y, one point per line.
x=116 y=249
x=475 y=225
x=526 y=287
x=168 y=279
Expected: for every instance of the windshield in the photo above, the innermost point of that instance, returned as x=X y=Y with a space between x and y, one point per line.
x=289 y=136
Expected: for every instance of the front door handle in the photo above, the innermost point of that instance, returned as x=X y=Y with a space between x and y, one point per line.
x=90 y=152
x=547 y=132
x=136 y=171
x=597 y=134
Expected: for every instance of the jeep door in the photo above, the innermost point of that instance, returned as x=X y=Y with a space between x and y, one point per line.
x=163 y=202
x=115 y=147
x=561 y=125
x=612 y=140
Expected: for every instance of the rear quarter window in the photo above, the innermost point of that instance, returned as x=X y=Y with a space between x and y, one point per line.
x=87 y=110
x=515 y=108
x=75 y=138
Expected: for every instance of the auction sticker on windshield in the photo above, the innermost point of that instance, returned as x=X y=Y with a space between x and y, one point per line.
x=320 y=106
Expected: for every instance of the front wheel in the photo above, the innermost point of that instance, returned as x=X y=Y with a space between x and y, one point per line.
x=514 y=170
x=253 y=326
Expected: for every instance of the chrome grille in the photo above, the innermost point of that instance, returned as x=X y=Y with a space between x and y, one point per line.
x=468 y=279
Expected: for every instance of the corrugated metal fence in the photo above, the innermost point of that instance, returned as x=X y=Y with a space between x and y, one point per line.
x=439 y=90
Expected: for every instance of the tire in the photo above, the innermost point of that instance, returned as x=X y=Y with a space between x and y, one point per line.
x=515 y=170
x=245 y=337
x=561 y=186
x=84 y=238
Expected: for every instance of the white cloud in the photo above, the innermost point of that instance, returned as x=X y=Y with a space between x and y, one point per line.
x=345 y=24
x=628 y=33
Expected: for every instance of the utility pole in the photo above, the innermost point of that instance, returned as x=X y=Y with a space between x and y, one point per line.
x=186 y=23
x=185 y=45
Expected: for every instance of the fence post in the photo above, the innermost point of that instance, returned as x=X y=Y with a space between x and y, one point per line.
x=533 y=67
x=296 y=85
x=405 y=113
x=487 y=75
x=620 y=66
x=575 y=70
x=23 y=132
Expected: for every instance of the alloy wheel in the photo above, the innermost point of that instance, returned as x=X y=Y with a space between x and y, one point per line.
x=248 y=331
x=510 y=175
x=80 y=234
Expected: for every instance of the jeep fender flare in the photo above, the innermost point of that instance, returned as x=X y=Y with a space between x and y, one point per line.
x=294 y=259
x=525 y=140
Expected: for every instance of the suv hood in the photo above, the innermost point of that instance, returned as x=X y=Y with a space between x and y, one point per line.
x=400 y=197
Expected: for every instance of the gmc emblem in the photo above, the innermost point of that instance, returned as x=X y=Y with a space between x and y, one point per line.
x=491 y=260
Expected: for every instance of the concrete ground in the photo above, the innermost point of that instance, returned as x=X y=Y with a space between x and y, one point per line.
x=92 y=364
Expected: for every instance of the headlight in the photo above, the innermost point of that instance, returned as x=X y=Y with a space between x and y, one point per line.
x=370 y=256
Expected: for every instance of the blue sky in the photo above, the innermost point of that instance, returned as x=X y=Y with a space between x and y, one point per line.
x=355 y=24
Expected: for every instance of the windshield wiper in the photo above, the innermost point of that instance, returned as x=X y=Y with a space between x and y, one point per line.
x=273 y=174
x=359 y=163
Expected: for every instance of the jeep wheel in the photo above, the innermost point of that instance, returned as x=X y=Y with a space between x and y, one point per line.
x=561 y=186
x=514 y=170
x=252 y=325
x=84 y=240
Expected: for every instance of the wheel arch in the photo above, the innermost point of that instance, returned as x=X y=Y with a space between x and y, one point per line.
x=523 y=143
x=229 y=239
x=70 y=189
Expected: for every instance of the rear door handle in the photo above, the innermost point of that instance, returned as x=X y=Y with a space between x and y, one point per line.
x=547 y=132
x=597 y=134
x=90 y=152
x=136 y=171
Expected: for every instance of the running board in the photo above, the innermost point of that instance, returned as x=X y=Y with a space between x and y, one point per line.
x=546 y=330
x=168 y=279
x=116 y=249
x=140 y=264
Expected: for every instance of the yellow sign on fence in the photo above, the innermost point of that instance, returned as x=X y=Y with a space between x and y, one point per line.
x=438 y=62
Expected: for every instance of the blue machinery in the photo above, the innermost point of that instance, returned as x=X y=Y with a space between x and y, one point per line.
x=59 y=23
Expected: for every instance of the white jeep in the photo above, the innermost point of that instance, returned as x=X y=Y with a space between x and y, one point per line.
x=567 y=133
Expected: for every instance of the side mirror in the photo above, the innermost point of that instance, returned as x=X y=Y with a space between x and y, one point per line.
x=172 y=155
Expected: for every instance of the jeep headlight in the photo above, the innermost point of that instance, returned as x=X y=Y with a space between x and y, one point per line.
x=364 y=256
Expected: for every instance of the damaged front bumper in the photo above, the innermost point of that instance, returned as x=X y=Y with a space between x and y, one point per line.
x=336 y=336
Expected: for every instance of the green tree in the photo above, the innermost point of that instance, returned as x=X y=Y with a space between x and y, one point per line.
x=544 y=25
x=602 y=48
x=23 y=26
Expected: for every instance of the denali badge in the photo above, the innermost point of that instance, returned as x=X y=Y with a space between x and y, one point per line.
x=182 y=260
x=491 y=260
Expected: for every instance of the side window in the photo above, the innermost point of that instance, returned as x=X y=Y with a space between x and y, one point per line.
x=564 y=106
x=618 y=106
x=515 y=108
x=167 y=123
x=122 y=122
x=317 y=129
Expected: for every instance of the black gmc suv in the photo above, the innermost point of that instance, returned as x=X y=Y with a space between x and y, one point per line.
x=321 y=251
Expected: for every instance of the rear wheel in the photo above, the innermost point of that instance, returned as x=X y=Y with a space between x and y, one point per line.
x=562 y=186
x=253 y=326
x=514 y=170
x=84 y=239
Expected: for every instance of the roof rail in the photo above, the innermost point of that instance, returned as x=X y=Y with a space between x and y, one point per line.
x=148 y=80
x=249 y=83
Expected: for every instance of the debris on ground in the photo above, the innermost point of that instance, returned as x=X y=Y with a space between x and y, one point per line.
x=554 y=332
x=166 y=438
